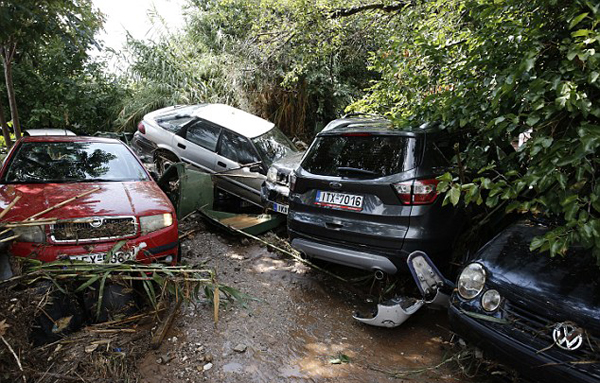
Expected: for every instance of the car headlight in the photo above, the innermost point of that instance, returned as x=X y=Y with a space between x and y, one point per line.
x=151 y=223
x=30 y=233
x=490 y=300
x=471 y=281
x=272 y=175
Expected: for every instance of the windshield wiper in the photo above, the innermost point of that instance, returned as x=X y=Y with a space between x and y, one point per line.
x=347 y=169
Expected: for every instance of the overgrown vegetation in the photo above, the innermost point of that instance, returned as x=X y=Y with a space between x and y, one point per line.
x=492 y=71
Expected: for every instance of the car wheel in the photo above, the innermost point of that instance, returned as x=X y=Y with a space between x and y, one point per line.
x=164 y=159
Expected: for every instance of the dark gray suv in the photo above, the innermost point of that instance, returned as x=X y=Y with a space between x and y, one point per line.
x=365 y=195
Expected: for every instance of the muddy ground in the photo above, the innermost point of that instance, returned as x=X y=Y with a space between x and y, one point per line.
x=296 y=324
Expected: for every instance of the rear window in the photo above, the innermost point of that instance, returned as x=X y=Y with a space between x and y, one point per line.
x=360 y=156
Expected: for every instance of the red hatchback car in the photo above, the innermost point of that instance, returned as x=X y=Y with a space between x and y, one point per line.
x=117 y=201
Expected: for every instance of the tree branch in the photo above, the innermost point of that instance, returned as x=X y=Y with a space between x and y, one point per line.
x=344 y=12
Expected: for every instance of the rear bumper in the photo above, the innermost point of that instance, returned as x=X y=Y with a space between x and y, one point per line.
x=527 y=360
x=352 y=258
x=150 y=247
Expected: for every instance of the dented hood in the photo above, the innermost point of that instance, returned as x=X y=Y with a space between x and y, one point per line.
x=112 y=198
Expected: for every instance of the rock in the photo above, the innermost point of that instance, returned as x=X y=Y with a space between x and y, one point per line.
x=207 y=366
x=245 y=242
x=208 y=357
x=164 y=359
x=240 y=348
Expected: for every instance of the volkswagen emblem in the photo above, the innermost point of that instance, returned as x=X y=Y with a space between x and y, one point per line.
x=96 y=222
x=335 y=185
x=567 y=336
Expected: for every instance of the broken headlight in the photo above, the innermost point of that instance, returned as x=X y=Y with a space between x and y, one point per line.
x=272 y=175
x=471 y=281
x=152 y=223
x=30 y=233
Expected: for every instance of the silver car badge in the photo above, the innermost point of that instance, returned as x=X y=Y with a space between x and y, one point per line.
x=96 y=222
x=567 y=336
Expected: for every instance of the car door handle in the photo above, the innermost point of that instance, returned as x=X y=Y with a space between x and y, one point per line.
x=221 y=164
x=182 y=146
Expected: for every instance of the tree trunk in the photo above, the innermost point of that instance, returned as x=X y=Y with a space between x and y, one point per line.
x=8 y=52
x=5 y=129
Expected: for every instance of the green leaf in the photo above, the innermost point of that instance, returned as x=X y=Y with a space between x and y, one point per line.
x=581 y=33
x=454 y=195
x=532 y=119
x=113 y=250
x=87 y=283
x=576 y=20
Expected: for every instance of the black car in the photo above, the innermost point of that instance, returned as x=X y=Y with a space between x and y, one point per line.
x=365 y=195
x=537 y=314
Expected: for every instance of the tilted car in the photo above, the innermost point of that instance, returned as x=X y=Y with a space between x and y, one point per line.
x=236 y=146
x=535 y=313
x=365 y=195
x=118 y=201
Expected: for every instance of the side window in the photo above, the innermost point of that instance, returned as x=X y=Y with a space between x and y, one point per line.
x=237 y=148
x=203 y=134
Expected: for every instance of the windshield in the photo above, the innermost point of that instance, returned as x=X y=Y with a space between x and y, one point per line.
x=273 y=146
x=43 y=162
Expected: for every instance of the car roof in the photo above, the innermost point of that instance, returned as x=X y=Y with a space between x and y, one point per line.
x=374 y=124
x=48 y=132
x=70 y=139
x=234 y=119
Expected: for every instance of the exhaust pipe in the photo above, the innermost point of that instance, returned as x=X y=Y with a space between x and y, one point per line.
x=379 y=274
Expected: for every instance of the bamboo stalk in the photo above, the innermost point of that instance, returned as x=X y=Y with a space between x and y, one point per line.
x=63 y=203
x=9 y=238
x=10 y=205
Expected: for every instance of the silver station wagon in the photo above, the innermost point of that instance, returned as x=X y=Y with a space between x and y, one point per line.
x=236 y=146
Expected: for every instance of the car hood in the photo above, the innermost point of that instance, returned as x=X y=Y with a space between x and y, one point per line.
x=561 y=288
x=288 y=163
x=112 y=198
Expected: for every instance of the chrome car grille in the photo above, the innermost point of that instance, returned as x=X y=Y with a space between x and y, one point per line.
x=537 y=331
x=94 y=229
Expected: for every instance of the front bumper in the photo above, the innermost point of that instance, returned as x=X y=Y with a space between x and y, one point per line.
x=275 y=197
x=527 y=360
x=150 y=247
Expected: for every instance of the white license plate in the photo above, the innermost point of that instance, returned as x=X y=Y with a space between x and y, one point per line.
x=283 y=209
x=339 y=200
x=117 y=258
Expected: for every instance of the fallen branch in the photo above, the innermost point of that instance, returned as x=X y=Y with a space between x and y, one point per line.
x=63 y=203
x=10 y=205
x=15 y=355
x=161 y=332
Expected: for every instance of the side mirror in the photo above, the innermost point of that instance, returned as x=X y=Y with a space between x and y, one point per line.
x=255 y=168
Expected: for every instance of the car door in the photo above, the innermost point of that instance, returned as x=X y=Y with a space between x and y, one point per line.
x=198 y=145
x=233 y=152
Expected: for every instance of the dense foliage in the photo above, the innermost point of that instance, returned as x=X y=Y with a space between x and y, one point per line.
x=295 y=63
x=55 y=83
x=492 y=71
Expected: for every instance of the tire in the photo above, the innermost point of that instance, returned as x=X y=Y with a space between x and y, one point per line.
x=162 y=160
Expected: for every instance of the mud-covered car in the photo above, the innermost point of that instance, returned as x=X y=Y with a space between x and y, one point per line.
x=236 y=146
x=365 y=195
x=111 y=200
x=537 y=314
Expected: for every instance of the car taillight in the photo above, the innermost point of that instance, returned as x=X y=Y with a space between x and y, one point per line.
x=142 y=128
x=419 y=192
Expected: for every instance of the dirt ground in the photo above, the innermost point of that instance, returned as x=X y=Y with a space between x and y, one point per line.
x=297 y=322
